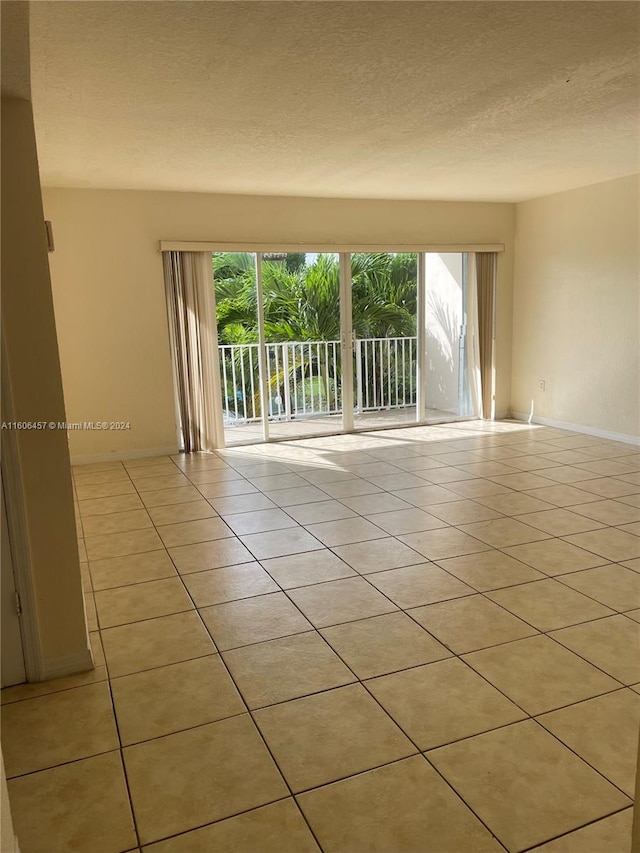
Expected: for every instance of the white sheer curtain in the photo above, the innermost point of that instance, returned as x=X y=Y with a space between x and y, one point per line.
x=193 y=336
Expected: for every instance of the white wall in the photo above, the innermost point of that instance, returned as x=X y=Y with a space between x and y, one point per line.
x=443 y=322
x=109 y=291
x=576 y=309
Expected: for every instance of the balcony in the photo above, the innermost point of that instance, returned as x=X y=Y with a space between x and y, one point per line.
x=304 y=387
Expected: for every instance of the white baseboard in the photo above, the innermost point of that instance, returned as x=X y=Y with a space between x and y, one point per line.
x=586 y=430
x=117 y=456
x=67 y=665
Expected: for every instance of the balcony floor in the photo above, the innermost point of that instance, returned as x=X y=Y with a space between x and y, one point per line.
x=310 y=426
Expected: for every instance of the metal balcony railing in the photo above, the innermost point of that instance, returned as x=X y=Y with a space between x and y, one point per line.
x=304 y=378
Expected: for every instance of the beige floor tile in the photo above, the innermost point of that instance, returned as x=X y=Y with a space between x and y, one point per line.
x=145 y=472
x=609 y=467
x=567 y=474
x=442 y=702
x=226 y=489
x=156 y=642
x=212 y=475
x=412 y=520
x=320 y=511
x=560 y=522
x=426 y=496
x=551 y=790
x=166 y=481
x=345 y=531
x=141 y=601
x=234 y=504
x=105 y=490
x=513 y=503
x=614 y=544
x=280 y=543
x=146 y=461
x=632 y=564
x=116 y=522
x=630 y=500
x=463 y=512
x=193 y=532
x=331 y=735
x=175 y=513
x=415 y=585
x=442 y=543
x=229 y=584
x=377 y=555
x=554 y=556
x=610 y=835
x=285 y=669
x=340 y=601
x=539 y=675
x=490 y=570
x=609 y=512
x=471 y=623
x=275 y=482
x=631 y=528
x=114 y=475
x=106 y=506
x=603 y=731
x=381 y=502
x=210 y=555
x=521 y=482
x=383 y=810
x=135 y=568
x=253 y=620
x=277 y=828
x=83 y=806
x=172 y=698
x=56 y=728
x=612 y=644
x=609 y=487
x=611 y=585
x=478 y=488
x=122 y=544
x=383 y=644
x=298 y=496
x=165 y=497
x=184 y=780
x=489 y=468
x=260 y=521
x=503 y=532
x=562 y=495
x=548 y=604
x=305 y=569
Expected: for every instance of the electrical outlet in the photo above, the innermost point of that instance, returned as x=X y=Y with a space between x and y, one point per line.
x=541 y=384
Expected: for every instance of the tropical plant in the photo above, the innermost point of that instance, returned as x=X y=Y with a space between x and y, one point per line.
x=301 y=303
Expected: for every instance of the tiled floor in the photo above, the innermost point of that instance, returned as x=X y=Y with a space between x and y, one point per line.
x=414 y=641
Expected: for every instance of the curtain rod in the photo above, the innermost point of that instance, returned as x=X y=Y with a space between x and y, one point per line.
x=320 y=247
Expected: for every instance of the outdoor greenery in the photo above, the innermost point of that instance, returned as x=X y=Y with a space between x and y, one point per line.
x=301 y=304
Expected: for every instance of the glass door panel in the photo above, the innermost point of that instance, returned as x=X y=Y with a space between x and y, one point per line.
x=384 y=294
x=301 y=304
x=234 y=276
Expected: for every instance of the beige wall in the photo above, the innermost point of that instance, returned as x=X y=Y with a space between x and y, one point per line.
x=576 y=310
x=109 y=291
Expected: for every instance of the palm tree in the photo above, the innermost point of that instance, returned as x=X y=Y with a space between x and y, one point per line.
x=301 y=304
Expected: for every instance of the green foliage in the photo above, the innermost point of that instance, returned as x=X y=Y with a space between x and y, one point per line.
x=301 y=302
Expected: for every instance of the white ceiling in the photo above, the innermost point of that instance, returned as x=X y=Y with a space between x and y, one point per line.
x=419 y=100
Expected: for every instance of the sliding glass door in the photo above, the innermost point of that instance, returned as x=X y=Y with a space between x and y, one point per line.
x=319 y=343
x=384 y=307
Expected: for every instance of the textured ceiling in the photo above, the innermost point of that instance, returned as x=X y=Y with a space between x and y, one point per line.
x=416 y=100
